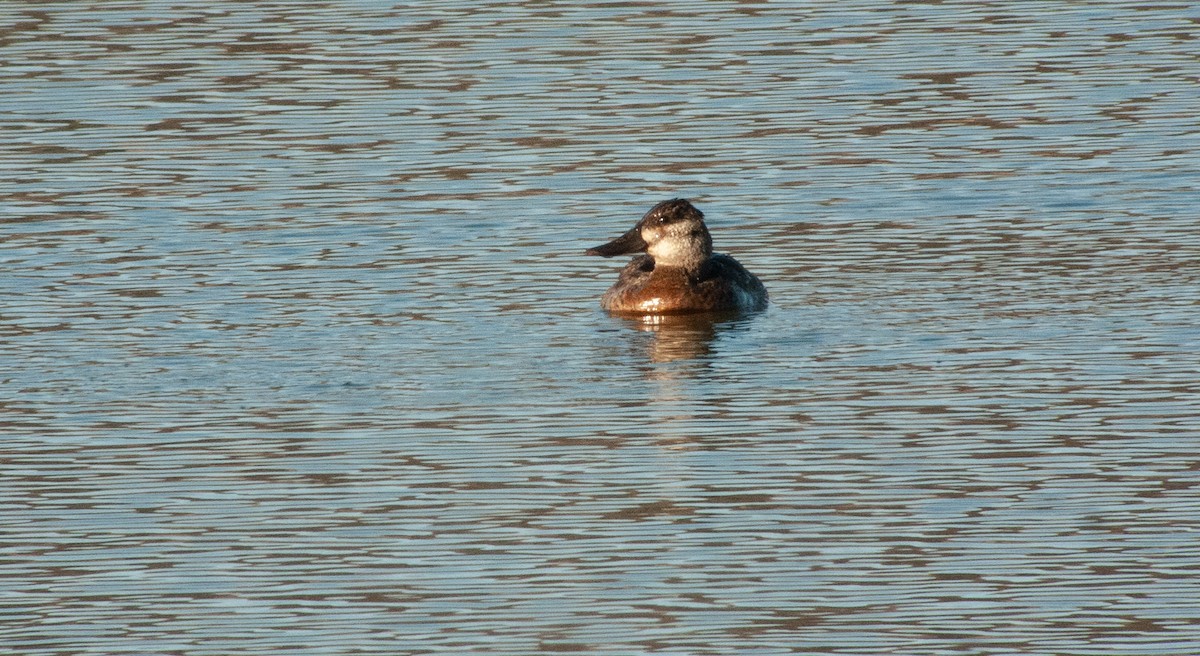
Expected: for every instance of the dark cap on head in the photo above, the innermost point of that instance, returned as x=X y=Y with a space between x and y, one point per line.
x=670 y=211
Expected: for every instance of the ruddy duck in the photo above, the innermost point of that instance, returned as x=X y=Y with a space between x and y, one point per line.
x=678 y=271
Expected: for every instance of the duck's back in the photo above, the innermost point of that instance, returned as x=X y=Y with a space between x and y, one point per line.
x=722 y=284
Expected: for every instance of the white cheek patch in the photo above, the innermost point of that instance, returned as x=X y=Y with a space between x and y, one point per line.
x=676 y=245
x=670 y=250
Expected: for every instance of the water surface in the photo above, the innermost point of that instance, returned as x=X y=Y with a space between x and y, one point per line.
x=301 y=353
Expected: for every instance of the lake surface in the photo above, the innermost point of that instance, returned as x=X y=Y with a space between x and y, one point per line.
x=301 y=354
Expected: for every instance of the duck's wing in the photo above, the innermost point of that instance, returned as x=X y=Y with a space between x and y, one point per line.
x=638 y=269
x=724 y=266
x=721 y=267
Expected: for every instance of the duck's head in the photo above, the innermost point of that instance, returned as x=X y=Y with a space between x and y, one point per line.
x=672 y=232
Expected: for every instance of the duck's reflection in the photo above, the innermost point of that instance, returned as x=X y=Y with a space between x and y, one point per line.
x=680 y=351
x=681 y=336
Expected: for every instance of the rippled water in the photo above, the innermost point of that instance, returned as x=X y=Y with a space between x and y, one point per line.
x=301 y=353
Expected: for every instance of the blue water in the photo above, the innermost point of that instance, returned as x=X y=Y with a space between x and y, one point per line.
x=301 y=353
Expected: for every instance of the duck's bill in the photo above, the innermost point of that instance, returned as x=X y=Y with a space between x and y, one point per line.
x=630 y=242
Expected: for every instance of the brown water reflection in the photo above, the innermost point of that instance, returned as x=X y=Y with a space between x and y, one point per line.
x=300 y=354
x=680 y=336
